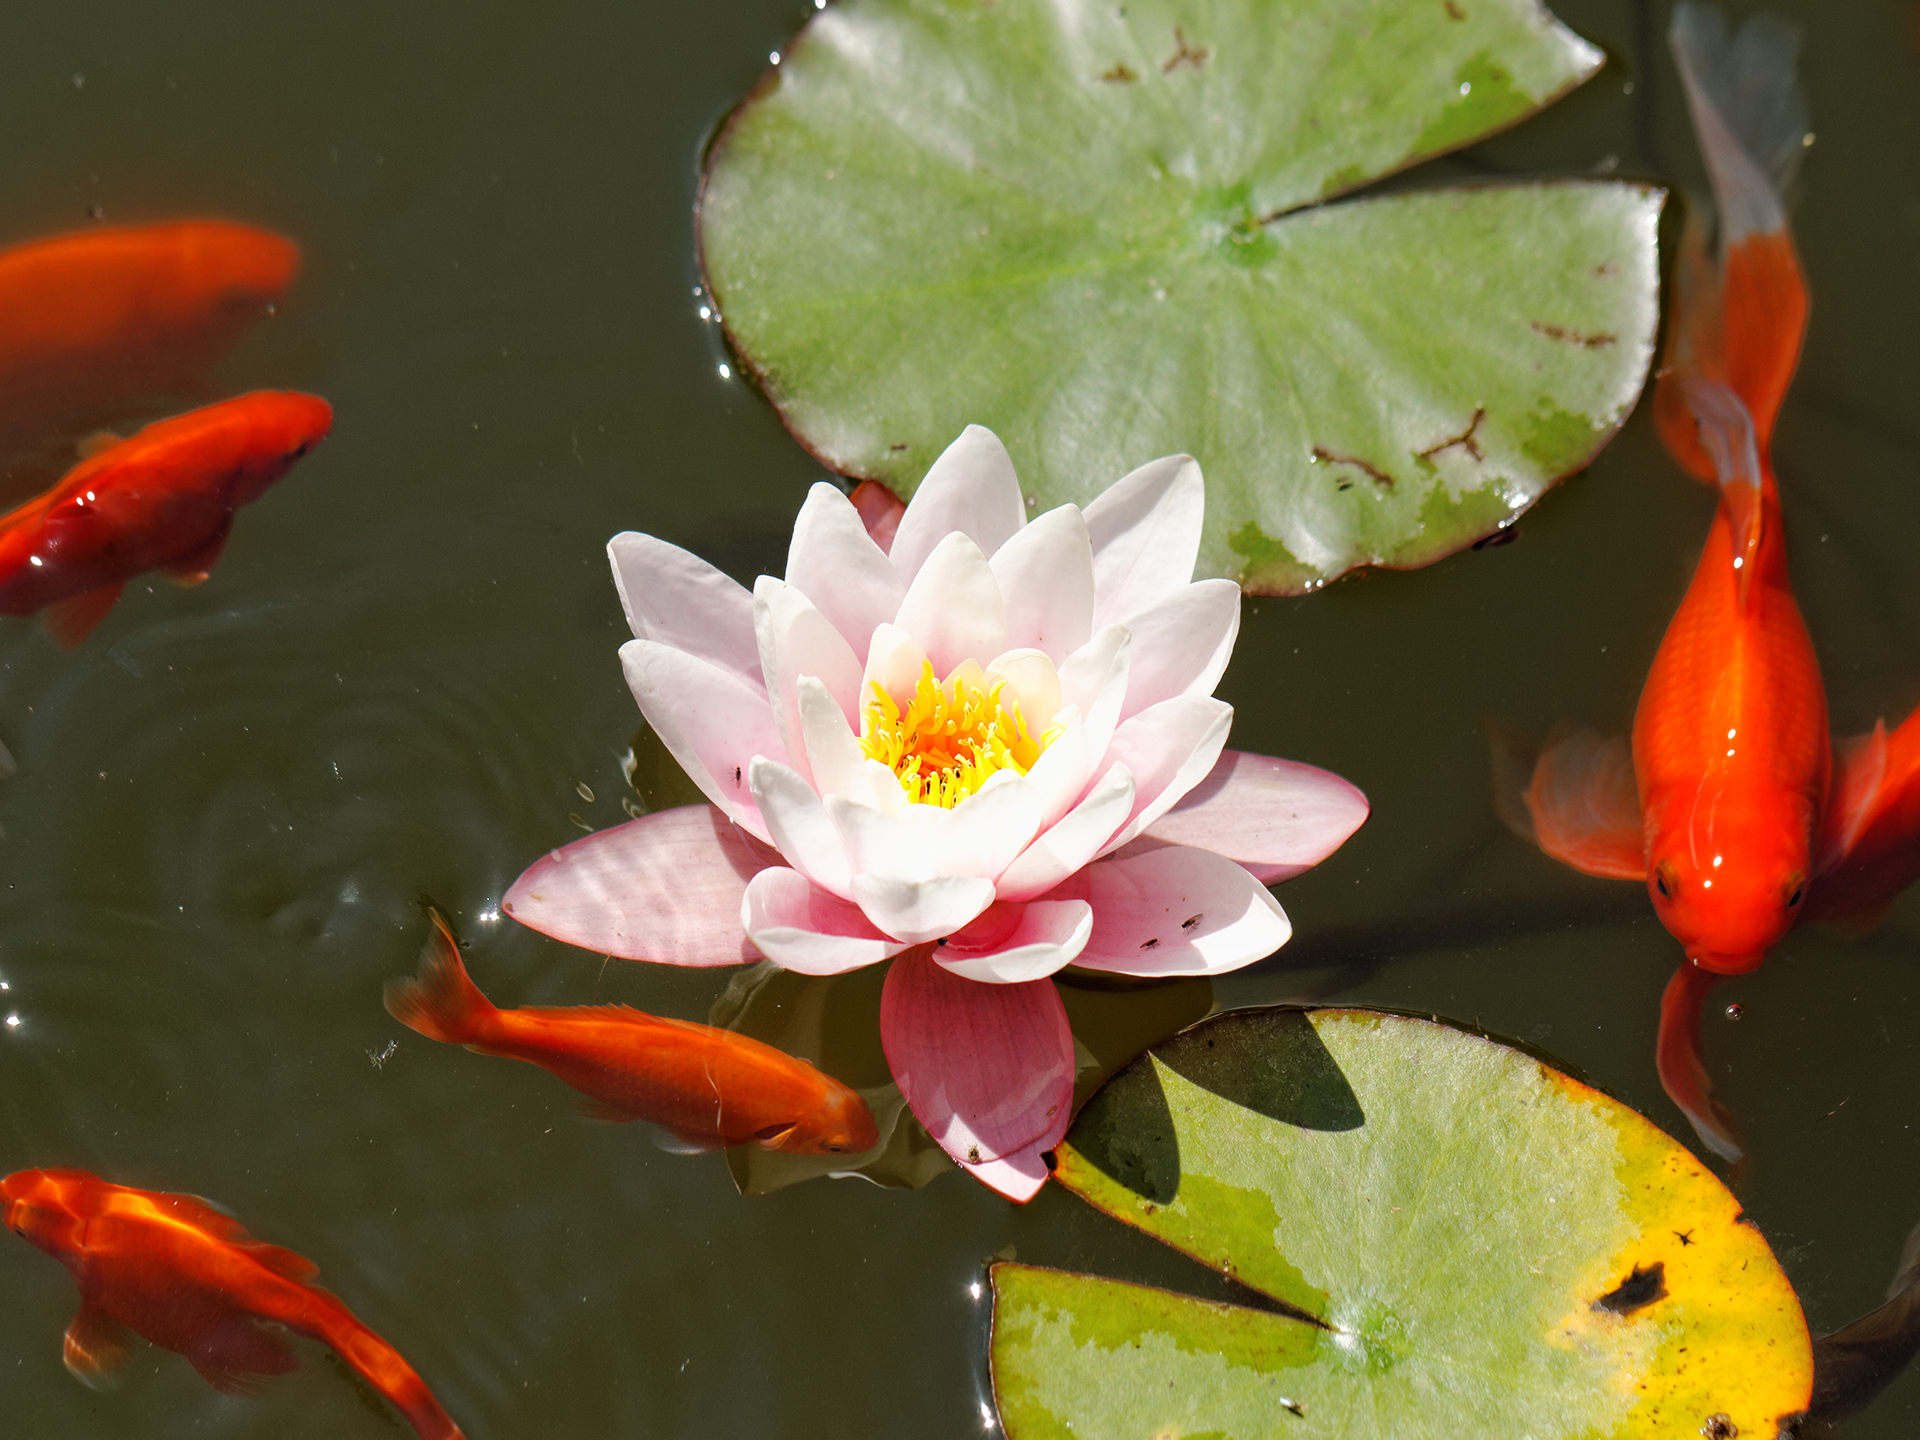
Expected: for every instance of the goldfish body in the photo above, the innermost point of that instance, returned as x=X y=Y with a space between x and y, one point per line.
x=163 y=499
x=705 y=1087
x=191 y=1280
x=97 y=317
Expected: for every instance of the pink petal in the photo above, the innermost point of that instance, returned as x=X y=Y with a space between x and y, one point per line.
x=971 y=488
x=711 y=720
x=1078 y=836
x=1145 y=530
x=880 y=511
x=1170 y=748
x=1009 y=944
x=836 y=565
x=665 y=887
x=988 y=1069
x=1046 y=581
x=953 y=609
x=675 y=598
x=1275 y=817
x=1181 y=644
x=796 y=639
x=801 y=927
x=1174 y=910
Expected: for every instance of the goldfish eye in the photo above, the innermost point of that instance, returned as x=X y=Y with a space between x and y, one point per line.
x=1660 y=880
x=1794 y=899
x=836 y=1149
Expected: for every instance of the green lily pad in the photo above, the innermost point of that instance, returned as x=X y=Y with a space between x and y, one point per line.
x=1437 y=1236
x=1098 y=229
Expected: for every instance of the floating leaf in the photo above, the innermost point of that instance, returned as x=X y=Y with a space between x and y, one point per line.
x=1098 y=229
x=1440 y=1236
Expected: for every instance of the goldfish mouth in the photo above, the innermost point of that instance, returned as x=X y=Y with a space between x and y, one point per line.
x=1721 y=964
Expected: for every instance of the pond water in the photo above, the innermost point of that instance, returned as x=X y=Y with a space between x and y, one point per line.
x=401 y=682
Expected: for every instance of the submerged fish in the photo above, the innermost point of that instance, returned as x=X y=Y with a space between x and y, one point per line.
x=704 y=1087
x=176 y=1271
x=162 y=499
x=97 y=317
x=1726 y=807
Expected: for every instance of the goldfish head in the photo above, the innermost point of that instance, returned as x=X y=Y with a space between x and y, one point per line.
x=37 y=1206
x=842 y=1125
x=1728 y=910
x=283 y=426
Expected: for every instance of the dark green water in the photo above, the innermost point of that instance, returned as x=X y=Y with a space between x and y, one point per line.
x=232 y=798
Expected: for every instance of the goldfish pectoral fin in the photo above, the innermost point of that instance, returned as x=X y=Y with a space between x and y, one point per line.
x=1859 y=784
x=97 y=1347
x=229 y=1381
x=69 y=621
x=770 y=1136
x=88 y=446
x=1513 y=758
x=1585 y=805
x=678 y=1142
x=1682 y=1073
x=193 y=567
x=605 y=1110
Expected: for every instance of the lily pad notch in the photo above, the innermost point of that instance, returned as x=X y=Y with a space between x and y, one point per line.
x=1102 y=231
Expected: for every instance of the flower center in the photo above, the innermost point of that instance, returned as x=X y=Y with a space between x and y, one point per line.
x=951 y=739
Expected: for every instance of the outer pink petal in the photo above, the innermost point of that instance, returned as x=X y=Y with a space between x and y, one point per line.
x=837 y=565
x=675 y=598
x=801 y=927
x=1145 y=530
x=988 y=1069
x=1010 y=944
x=711 y=720
x=1174 y=910
x=665 y=887
x=1046 y=581
x=1275 y=817
x=1170 y=748
x=953 y=610
x=1181 y=644
x=879 y=510
x=970 y=488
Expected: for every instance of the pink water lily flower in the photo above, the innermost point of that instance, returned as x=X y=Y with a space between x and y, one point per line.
x=985 y=752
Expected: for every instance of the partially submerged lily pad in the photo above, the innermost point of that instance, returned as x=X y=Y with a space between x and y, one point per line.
x=1438 y=1235
x=1098 y=229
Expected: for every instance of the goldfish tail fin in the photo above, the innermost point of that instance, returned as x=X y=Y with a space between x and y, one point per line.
x=382 y=1367
x=1585 y=805
x=1750 y=117
x=441 y=1002
x=1682 y=1073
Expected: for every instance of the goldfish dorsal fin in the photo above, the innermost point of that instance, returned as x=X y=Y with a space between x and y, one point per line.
x=284 y=1262
x=97 y=1347
x=1860 y=775
x=69 y=621
x=88 y=446
x=1726 y=433
x=204 y=1215
x=1585 y=805
x=1748 y=110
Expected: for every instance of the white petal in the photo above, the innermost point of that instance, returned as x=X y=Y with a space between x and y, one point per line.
x=1174 y=910
x=1032 y=683
x=990 y=827
x=1046 y=579
x=836 y=564
x=1079 y=835
x=894 y=663
x=1094 y=678
x=919 y=910
x=1011 y=944
x=710 y=719
x=798 y=826
x=795 y=639
x=1181 y=644
x=1170 y=747
x=840 y=766
x=675 y=598
x=1061 y=773
x=953 y=608
x=802 y=928
x=970 y=488
x=1145 y=531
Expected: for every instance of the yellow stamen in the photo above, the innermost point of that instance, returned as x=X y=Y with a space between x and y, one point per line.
x=952 y=739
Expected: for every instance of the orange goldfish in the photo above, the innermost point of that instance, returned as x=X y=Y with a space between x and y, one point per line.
x=1729 y=809
x=94 y=318
x=704 y=1087
x=190 y=1279
x=162 y=499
